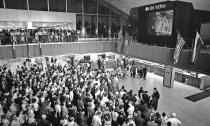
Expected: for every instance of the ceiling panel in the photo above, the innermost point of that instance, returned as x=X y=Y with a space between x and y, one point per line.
x=126 y=5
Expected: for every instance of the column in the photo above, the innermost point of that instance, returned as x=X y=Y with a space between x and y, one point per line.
x=97 y=19
x=66 y=6
x=27 y=5
x=110 y=22
x=48 y=5
x=169 y=74
x=4 y=4
x=83 y=21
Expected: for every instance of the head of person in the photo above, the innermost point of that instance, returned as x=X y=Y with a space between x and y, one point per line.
x=154 y=89
x=139 y=113
x=44 y=116
x=168 y=123
x=163 y=114
x=98 y=113
x=173 y=115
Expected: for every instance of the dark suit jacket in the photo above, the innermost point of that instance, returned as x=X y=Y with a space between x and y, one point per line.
x=145 y=97
x=44 y=123
x=139 y=121
x=156 y=95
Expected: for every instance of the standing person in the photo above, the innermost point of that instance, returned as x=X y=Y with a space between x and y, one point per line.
x=72 y=122
x=129 y=121
x=134 y=72
x=141 y=72
x=44 y=121
x=107 y=119
x=138 y=71
x=97 y=119
x=131 y=71
x=140 y=92
x=152 y=122
x=130 y=109
x=173 y=120
x=145 y=97
x=164 y=119
x=116 y=83
x=139 y=120
x=99 y=63
x=155 y=98
x=144 y=72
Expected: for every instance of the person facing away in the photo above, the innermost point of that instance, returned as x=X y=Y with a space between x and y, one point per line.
x=164 y=119
x=173 y=120
x=96 y=121
x=144 y=72
x=139 y=120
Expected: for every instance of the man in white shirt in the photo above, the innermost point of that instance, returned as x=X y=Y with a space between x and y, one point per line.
x=96 y=121
x=173 y=120
x=58 y=108
x=130 y=109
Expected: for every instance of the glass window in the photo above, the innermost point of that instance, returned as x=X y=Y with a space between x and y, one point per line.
x=16 y=4
x=115 y=26
x=90 y=25
x=40 y=5
x=90 y=6
x=57 y=5
x=102 y=9
x=79 y=21
x=103 y=26
x=1 y=4
x=74 y=6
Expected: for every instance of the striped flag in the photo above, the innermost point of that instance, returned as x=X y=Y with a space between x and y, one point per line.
x=198 y=43
x=179 y=45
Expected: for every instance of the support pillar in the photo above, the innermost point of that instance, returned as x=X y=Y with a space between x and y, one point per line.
x=96 y=19
x=83 y=21
x=110 y=22
x=169 y=74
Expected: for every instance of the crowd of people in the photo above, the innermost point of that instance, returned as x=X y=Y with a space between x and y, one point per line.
x=74 y=95
x=142 y=72
x=22 y=36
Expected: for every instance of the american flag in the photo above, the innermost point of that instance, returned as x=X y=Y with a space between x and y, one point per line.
x=179 y=45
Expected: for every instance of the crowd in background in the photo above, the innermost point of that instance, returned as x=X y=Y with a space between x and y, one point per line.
x=22 y=36
x=47 y=35
x=74 y=95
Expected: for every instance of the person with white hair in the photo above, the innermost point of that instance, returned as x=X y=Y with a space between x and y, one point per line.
x=173 y=120
x=44 y=121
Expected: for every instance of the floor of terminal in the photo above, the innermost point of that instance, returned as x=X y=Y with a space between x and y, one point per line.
x=173 y=99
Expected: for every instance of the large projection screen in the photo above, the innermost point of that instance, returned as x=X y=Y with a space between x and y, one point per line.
x=160 y=23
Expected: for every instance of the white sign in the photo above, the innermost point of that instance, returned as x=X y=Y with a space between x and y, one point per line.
x=155 y=7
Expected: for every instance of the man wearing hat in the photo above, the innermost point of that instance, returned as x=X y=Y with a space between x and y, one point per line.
x=173 y=120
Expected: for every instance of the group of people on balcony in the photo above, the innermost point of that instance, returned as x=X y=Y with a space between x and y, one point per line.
x=22 y=36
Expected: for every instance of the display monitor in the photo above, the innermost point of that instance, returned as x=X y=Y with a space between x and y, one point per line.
x=160 y=23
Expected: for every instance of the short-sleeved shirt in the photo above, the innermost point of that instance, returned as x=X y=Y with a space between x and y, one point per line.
x=174 y=121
